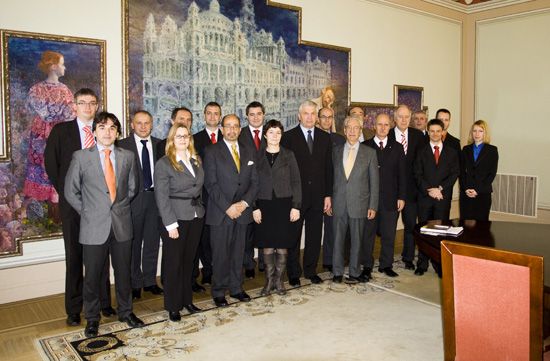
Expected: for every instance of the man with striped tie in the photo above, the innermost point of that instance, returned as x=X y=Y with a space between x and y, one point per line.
x=66 y=138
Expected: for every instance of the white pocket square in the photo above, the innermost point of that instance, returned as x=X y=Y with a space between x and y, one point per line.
x=250 y=162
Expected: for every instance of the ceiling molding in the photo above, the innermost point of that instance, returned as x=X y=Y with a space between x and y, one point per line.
x=474 y=8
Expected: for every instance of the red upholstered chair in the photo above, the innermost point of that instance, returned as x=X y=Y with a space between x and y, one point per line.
x=492 y=304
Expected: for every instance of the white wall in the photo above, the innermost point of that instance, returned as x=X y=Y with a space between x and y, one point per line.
x=513 y=92
x=390 y=45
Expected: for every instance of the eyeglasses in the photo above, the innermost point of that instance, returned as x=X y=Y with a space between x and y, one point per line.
x=232 y=127
x=84 y=104
x=326 y=117
x=180 y=137
x=353 y=128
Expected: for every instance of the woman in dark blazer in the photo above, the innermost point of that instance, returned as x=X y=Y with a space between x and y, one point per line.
x=277 y=205
x=478 y=168
x=179 y=177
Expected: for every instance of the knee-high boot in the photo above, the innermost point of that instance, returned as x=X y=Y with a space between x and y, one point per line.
x=269 y=262
x=280 y=267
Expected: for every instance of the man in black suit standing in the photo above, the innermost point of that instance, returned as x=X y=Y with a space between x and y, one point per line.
x=180 y=115
x=145 y=215
x=312 y=148
x=325 y=118
x=231 y=180
x=412 y=140
x=66 y=138
x=436 y=170
x=393 y=183
x=211 y=134
x=252 y=136
x=448 y=140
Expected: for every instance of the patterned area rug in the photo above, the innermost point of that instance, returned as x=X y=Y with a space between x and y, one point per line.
x=382 y=319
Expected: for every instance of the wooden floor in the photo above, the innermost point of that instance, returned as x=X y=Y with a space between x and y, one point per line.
x=21 y=323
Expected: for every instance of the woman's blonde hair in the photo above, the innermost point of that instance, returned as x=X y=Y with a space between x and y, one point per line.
x=49 y=58
x=483 y=125
x=171 y=148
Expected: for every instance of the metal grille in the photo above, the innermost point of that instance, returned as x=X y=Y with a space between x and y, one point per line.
x=515 y=194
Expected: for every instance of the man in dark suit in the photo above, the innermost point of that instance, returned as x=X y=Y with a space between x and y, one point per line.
x=211 y=134
x=412 y=140
x=325 y=118
x=355 y=198
x=66 y=138
x=145 y=215
x=231 y=180
x=252 y=136
x=393 y=184
x=99 y=185
x=436 y=170
x=180 y=115
x=448 y=140
x=312 y=148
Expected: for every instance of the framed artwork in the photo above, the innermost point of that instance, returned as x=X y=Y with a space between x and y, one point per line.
x=40 y=74
x=188 y=53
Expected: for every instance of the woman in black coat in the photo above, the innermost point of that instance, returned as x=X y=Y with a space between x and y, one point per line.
x=478 y=168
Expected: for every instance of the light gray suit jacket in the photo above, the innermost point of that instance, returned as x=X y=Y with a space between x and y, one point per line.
x=174 y=192
x=356 y=195
x=87 y=192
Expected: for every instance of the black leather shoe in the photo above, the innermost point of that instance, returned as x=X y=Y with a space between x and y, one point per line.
x=294 y=281
x=91 y=329
x=132 y=320
x=191 y=308
x=136 y=293
x=242 y=296
x=351 y=280
x=220 y=301
x=174 y=316
x=388 y=272
x=409 y=265
x=419 y=272
x=108 y=311
x=327 y=267
x=315 y=279
x=197 y=288
x=249 y=273
x=261 y=267
x=337 y=279
x=154 y=289
x=73 y=319
x=206 y=280
x=367 y=274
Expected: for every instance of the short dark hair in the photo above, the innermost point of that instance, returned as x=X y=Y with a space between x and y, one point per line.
x=231 y=115
x=103 y=117
x=85 y=91
x=255 y=104
x=143 y=111
x=212 y=104
x=442 y=110
x=176 y=110
x=351 y=107
x=321 y=109
x=435 y=121
x=274 y=123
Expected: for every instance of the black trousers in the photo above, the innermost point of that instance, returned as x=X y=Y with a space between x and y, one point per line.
x=95 y=257
x=177 y=257
x=328 y=240
x=313 y=219
x=145 y=244
x=477 y=208
x=430 y=209
x=408 y=216
x=74 y=275
x=384 y=224
x=204 y=254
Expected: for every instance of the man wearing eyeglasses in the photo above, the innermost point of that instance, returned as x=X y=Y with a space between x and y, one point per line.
x=66 y=138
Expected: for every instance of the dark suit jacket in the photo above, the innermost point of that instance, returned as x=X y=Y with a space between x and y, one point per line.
x=247 y=139
x=283 y=178
x=452 y=142
x=430 y=175
x=392 y=167
x=337 y=139
x=202 y=140
x=226 y=186
x=315 y=169
x=415 y=142
x=478 y=175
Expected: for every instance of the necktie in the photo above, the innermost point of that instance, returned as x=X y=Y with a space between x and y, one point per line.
x=257 y=139
x=213 y=137
x=310 y=141
x=404 y=142
x=110 y=175
x=88 y=137
x=348 y=166
x=436 y=154
x=236 y=157
x=381 y=145
x=146 y=165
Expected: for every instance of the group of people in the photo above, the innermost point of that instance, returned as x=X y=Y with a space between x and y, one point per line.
x=216 y=195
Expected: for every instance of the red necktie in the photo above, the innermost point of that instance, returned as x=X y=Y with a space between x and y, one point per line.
x=436 y=154
x=257 y=139
x=88 y=137
x=213 y=137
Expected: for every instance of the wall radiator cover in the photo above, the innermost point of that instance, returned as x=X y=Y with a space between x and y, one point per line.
x=515 y=194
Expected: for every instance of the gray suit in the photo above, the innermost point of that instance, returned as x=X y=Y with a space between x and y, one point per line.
x=351 y=200
x=105 y=227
